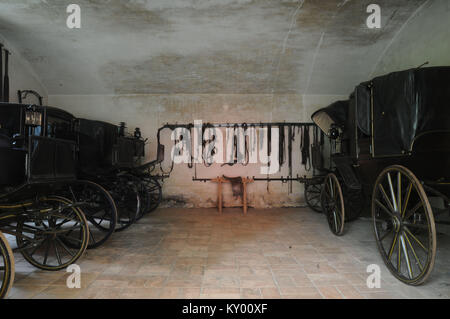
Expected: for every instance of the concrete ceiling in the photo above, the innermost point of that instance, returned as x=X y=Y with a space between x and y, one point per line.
x=203 y=46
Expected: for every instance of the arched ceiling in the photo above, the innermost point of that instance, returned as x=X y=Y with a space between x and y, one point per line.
x=204 y=46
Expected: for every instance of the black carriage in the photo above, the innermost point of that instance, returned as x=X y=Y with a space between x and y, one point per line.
x=391 y=149
x=37 y=162
x=112 y=158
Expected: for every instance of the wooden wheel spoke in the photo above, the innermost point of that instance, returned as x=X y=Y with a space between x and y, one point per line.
x=391 y=189
x=394 y=241
x=387 y=234
x=385 y=196
x=399 y=191
x=335 y=193
x=30 y=228
x=417 y=240
x=405 y=203
x=58 y=256
x=329 y=186
x=315 y=196
x=36 y=247
x=405 y=252
x=335 y=218
x=70 y=230
x=329 y=196
x=414 y=251
x=384 y=208
x=73 y=239
x=417 y=226
x=91 y=235
x=412 y=211
x=65 y=221
x=64 y=246
x=46 y=252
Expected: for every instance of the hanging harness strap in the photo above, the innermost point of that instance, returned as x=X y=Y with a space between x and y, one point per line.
x=291 y=137
x=281 y=147
x=305 y=145
x=205 y=142
x=246 y=146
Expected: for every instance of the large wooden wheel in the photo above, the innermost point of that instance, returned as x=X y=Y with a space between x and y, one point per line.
x=404 y=225
x=150 y=192
x=6 y=267
x=333 y=204
x=99 y=209
x=53 y=236
x=312 y=194
x=126 y=196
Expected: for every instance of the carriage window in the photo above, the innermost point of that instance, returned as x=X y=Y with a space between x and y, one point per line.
x=59 y=128
x=36 y=131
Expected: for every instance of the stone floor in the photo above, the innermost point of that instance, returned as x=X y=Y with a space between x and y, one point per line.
x=197 y=253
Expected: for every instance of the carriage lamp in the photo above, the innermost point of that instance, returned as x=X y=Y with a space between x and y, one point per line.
x=122 y=127
x=137 y=133
x=33 y=118
x=334 y=132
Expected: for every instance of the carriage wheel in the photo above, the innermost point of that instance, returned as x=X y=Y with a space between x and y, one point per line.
x=126 y=196
x=54 y=238
x=144 y=195
x=99 y=209
x=155 y=190
x=404 y=225
x=151 y=195
x=333 y=204
x=312 y=196
x=6 y=267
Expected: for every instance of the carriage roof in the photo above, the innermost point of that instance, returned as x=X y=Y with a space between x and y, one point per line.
x=15 y=107
x=334 y=114
x=403 y=106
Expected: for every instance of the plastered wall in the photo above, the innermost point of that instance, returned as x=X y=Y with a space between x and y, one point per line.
x=22 y=75
x=149 y=112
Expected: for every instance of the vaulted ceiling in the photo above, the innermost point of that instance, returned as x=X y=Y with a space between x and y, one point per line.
x=217 y=46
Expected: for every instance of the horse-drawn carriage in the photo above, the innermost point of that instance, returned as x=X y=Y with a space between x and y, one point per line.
x=112 y=159
x=391 y=148
x=51 y=201
x=37 y=171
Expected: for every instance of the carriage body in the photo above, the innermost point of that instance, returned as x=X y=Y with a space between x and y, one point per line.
x=37 y=161
x=392 y=152
x=106 y=157
x=38 y=145
x=402 y=118
x=102 y=149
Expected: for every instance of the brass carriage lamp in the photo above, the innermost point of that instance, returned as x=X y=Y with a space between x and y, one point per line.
x=33 y=118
